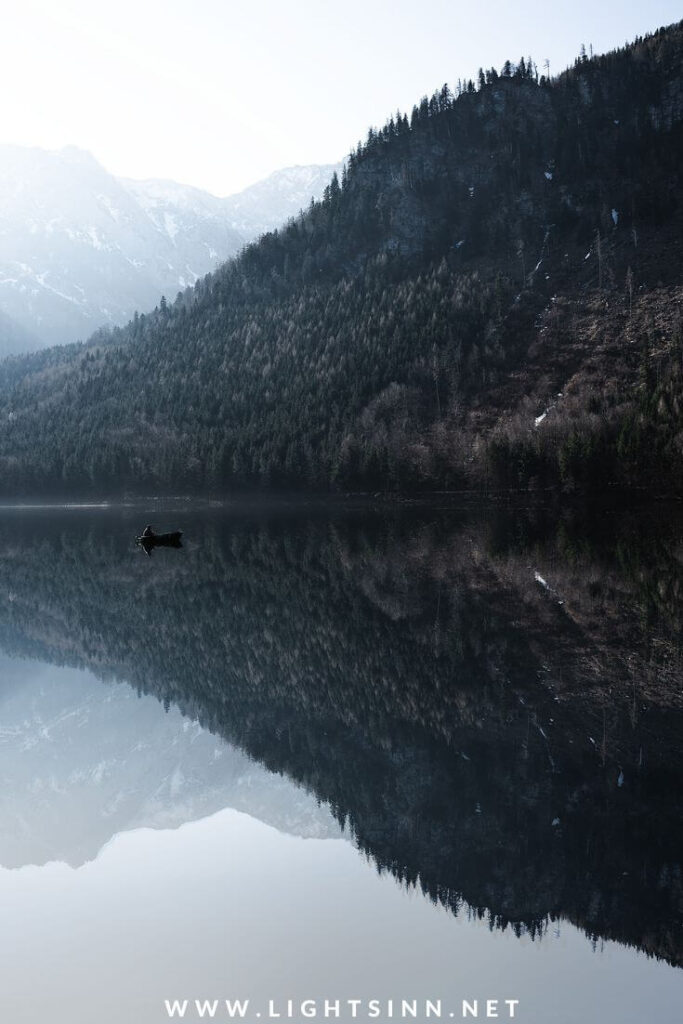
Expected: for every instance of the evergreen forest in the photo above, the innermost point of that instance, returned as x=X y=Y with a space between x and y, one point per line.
x=489 y=296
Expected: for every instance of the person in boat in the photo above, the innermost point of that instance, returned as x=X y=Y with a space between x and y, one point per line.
x=148 y=533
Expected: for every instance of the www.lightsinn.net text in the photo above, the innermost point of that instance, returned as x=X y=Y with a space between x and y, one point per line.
x=340 y=1009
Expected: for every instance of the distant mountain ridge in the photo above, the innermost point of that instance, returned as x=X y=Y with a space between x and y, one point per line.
x=260 y=207
x=81 y=249
x=272 y=201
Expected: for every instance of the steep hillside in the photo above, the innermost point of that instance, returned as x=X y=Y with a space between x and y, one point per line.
x=489 y=295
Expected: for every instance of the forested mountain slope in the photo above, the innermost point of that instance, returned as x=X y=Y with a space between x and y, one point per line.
x=507 y=252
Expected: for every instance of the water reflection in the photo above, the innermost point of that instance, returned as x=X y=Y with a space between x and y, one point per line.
x=490 y=705
x=83 y=760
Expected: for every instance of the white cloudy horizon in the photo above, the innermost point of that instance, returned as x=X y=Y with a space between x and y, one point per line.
x=221 y=96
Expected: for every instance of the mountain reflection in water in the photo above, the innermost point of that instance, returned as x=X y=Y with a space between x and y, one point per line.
x=490 y=704
x=82 y=761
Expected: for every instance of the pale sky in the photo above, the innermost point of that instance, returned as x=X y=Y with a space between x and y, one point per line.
x=218 y=94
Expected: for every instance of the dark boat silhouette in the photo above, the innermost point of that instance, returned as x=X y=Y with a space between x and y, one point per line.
x=149 y=540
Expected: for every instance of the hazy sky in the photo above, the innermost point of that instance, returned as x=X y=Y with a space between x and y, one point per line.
x=217 y=93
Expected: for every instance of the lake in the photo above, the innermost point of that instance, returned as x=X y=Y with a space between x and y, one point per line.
x=341 y=763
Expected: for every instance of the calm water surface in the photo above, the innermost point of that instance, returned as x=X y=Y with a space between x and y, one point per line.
x=428 y=756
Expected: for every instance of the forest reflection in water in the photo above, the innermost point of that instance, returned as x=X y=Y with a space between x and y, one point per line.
x=489 y=702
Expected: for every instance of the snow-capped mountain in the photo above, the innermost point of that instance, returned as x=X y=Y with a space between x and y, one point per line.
x=275 y=199
x=83 y=760
x=194 y=221
x=181 y=209
x=80 y=248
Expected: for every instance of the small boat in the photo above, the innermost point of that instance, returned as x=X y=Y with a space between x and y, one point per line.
x=149 y=540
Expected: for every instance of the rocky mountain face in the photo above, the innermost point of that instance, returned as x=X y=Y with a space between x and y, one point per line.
x=80 y=249
x=271 y=202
